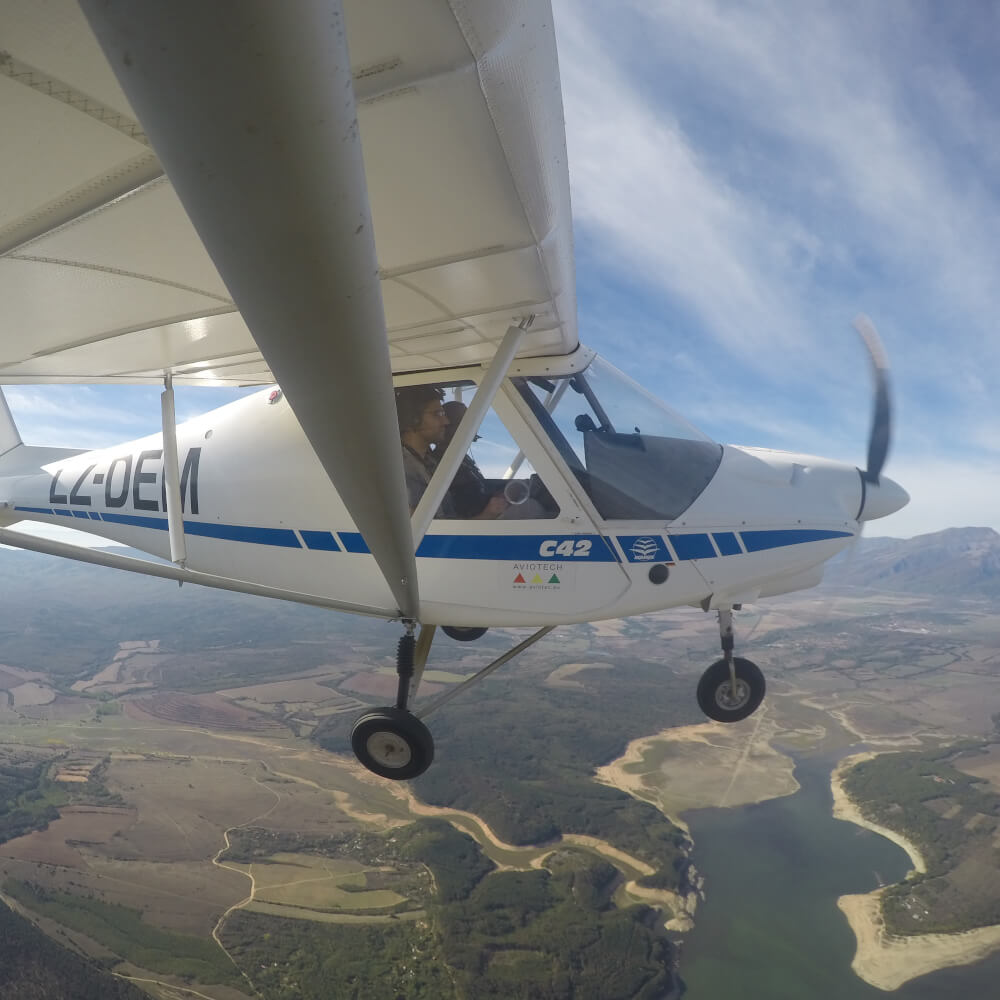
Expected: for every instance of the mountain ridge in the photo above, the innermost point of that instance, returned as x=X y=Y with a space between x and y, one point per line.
x=955 y=561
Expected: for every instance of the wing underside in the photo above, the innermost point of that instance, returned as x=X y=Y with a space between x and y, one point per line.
x=104 y=278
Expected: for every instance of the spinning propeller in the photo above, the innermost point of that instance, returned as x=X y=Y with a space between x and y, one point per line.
x=878 y=496
x=878 y=439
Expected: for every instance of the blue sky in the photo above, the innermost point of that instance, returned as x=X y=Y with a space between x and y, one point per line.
x=746 y=178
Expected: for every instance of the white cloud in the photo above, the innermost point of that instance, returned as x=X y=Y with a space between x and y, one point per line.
x=92 y=416
x=754 y=174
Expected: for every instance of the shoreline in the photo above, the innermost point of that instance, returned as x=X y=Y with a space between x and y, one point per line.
x=845 y=809
x=887 y=961
x=749 y=754
x=740 y=774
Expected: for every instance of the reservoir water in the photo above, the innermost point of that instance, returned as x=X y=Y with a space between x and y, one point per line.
x=770 y=928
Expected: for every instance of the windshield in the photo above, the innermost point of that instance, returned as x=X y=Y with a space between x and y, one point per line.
x=629 y=408
x=636 y=458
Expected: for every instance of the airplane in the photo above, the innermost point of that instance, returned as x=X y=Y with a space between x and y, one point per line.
x=340 y=200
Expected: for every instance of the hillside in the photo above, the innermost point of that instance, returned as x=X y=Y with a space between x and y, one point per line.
x=34 y=967
x=956 y=561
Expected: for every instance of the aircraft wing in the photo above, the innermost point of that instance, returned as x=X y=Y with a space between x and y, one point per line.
x=103 y=278
x=192 y=188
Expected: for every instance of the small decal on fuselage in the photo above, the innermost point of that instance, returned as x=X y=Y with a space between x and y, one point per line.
x=645 y=548
x=538 y=576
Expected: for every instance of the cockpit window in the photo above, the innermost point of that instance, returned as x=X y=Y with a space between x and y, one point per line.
x=636 y=458
x=484 y=486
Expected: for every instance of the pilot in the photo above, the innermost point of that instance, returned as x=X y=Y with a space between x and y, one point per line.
x=472 y=494
x=423 y=422
x=469 y=490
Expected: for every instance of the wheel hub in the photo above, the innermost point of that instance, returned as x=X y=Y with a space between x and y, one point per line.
x=728 y=699
x=388 y=749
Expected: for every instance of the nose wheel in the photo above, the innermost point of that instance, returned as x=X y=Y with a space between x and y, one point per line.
x=732 y=688
x=725 y=701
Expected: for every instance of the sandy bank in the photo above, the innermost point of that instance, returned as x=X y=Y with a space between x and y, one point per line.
x=884 y=960
x=887 y=962
x=705 y=765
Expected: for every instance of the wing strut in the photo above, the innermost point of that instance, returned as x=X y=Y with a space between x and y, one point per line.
x=551 y=401
x=171 y=475
x=462 y=441
x=250 y=108
x=100 y=557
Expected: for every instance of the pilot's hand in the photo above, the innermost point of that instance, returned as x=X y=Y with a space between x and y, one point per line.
x=496 y=506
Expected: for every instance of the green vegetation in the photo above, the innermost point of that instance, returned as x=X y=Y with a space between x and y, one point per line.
x=121 y=929
x=953 y=819
x=454 y=858
x=303 y=960
x=546 y=933
x=33 y=967
x=27 y=800
x=514 y=935
x=30 y=800
x=407 y=875
x=522 y=756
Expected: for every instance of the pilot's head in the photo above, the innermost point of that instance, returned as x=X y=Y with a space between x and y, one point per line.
x=454 y=411
x=422 y=419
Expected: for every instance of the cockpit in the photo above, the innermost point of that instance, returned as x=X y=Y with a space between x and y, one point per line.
x=635 y=457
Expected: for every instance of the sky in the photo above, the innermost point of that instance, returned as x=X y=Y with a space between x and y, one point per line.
x=746 y=178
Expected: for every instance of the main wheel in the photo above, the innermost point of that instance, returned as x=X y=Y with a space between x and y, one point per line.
x=718 y=700
x=460 y=634
x=392 y=743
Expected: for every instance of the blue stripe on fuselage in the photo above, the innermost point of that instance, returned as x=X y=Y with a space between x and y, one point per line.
x=499 y=547
x=756 y=541
x=483 y=547
x=282 y=537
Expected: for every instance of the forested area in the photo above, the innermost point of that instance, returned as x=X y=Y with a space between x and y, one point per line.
x=27 y=801
x=953 y=819
x=122 y=930
x=550 y=933
x=34 y=967
x=546 y=934
x=306 y=960
x=30 y=800
x=522 y=755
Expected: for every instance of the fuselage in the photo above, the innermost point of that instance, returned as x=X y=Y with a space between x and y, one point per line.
x=258 y=507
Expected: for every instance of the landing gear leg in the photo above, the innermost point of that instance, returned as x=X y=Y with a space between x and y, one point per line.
x=392 y=742
x=732 y=688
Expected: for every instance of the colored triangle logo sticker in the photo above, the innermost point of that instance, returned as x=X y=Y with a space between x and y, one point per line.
x=519 y=579
x=536 y=579
x=553 y=578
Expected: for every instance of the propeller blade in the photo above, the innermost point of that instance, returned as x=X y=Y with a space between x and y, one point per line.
x=878 y=439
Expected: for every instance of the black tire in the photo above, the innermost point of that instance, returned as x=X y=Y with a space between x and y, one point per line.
x=714 y=697
x=392 y=743
x=460 y=634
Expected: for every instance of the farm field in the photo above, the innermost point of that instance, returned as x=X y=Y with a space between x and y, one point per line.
x=203 y=734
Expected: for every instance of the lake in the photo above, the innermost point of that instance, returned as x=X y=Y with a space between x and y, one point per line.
x=770 y=928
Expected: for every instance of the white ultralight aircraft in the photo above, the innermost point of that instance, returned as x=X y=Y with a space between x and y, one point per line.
x=343 y=196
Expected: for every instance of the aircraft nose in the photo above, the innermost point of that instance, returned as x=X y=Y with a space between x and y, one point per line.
x=882 y=498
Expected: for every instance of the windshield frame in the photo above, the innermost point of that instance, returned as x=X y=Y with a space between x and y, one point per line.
x=671 y=438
